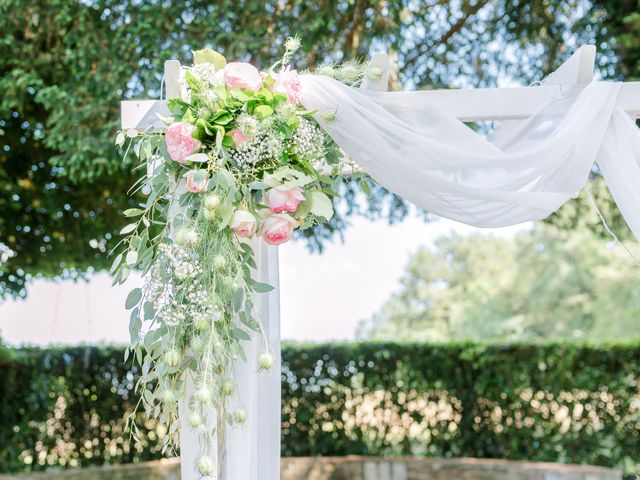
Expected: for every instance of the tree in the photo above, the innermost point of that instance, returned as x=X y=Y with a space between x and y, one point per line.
x=547 y=284
x=67 y=64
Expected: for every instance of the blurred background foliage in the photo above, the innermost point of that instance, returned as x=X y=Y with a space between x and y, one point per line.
x=66 y=65
x=545 y=284
x=65 y=407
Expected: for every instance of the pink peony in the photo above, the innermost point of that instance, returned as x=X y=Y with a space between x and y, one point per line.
x=242 y=75
x=180 y=141
x=288 y=82
x=243 y=223
x=238 y=137
x=284 y=199
x=278 y=229
x=192 y=184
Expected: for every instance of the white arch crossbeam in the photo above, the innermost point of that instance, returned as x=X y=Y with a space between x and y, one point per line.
x=466 y=104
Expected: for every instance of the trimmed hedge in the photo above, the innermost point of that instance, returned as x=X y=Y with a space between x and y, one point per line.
x=581 y=404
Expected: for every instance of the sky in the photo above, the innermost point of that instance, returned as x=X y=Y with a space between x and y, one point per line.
x=323 y=296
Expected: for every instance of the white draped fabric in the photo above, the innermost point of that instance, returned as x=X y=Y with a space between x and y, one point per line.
x=526 y=171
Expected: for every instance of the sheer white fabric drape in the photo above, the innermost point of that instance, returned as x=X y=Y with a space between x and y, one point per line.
x=525 y=172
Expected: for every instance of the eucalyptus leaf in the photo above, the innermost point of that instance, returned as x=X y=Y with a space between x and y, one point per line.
x=207 y=55
x=133 y=298
x=198 y=157
x=241 y=334
x=261 y=287
x=320 y=204
x=128 y=229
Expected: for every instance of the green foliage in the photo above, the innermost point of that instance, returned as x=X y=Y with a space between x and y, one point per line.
x=67 y=64
x=555 y=402
x=548 y=284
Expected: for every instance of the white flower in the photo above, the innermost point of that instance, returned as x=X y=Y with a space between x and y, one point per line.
x=201 y=321
x=205 y=465
x=211 y=202
x=227 y=388
x=195 y=420
x=168 y=396
x=292 y=44
x=203 y=394
x=197 y=343
x=172 y=358
x=240 y=415
x=219 y=262
x=186 y=237
x=265 y=361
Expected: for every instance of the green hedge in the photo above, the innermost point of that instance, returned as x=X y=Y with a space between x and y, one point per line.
x=581 y=404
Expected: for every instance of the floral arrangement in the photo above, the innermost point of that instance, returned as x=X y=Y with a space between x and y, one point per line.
x=240 y=159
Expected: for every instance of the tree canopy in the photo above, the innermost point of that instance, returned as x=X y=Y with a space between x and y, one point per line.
x=67 y=64
x=545 y=284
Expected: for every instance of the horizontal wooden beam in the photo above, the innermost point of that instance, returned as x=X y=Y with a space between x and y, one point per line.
x=468 y=105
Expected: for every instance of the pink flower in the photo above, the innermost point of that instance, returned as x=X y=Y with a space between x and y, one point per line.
x=288 y=82
x=284 y=199
x=194 y=184
x=278 y=229
x=238 y=137
x=243 y=223
x=180 y=141
x=242 y=75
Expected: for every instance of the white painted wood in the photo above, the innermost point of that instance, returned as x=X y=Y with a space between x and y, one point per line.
x=467 y=105
x=576 y=71
x=172 y=78
x=142 y=115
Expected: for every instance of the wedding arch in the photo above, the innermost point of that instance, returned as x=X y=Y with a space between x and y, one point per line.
x=417 y=145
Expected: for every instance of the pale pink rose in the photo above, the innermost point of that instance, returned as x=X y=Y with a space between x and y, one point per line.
x=288 y=82
x=278 y=229
x=243 y=223
x=238 y=137
x=193 y=185
x=242 y=75
x=284 y=199
x=180 y=142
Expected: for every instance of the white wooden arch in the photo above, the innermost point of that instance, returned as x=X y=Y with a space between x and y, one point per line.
x=482 y=104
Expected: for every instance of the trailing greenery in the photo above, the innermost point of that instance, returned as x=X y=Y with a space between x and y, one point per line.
x=64 y=407
x=66 y=64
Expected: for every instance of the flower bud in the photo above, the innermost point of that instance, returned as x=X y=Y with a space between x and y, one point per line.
x=186 y=237
x=172 y=358
x=212 y=202
x=329 y=115
x=265 y=361
x=349 y=72
x=240 y=415
x=209 y=215
x=197 y=343
x=201 y=322
x=219 y=262
x=203 y=395
x=375 y=73
x=227 y=388
x=205 y=465
x=195 y=420
x=168 y=396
